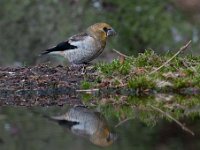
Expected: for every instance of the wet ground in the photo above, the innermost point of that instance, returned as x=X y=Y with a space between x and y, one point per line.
x=41 y=85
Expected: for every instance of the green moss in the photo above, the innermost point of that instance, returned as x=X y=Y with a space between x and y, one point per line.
x=85 y=85
x=181 y=83
x=85 y=98
x=183 y=73
x=148 y=58
x=141 y=82
x=180 y=72
x=115 y=67
x=140 y=108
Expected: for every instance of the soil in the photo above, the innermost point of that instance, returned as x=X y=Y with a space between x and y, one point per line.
x=44 y=85
x=41 y=85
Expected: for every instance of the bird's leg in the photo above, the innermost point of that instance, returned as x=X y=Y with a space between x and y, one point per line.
x=78 y=65
x=81 y=67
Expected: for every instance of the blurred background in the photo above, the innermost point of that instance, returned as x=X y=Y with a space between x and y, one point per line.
x=31 y=26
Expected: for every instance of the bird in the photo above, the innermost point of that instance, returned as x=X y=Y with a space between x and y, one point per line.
x=87 y=123
x=84 y=47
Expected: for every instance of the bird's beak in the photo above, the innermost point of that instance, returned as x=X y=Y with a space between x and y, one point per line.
x=113 y=136
x=111 y=32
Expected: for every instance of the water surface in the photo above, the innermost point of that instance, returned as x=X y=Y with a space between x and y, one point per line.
x=26 y=128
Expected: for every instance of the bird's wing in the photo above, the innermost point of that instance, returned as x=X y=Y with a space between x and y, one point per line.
x=61 y=120
x=72 y=43
x=78 y=37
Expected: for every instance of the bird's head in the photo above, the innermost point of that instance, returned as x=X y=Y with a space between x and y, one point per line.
x=103 y=137
x=101 y=31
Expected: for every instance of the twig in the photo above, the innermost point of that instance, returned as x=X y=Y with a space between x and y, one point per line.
x=165 y=63
x=123 y=121
x=88 y=90
x=120 y=53
x=172 y=118
x=186 y=65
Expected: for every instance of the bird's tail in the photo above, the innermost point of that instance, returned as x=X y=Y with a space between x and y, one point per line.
x=47 y=51
x=61 y=121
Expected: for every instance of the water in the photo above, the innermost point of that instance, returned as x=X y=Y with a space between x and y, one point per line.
x=26 y=128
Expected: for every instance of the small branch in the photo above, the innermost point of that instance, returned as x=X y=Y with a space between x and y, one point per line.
x=123 y=121
x=120 y=53
x=172 y=118
x=88 y=90
x=165 y=63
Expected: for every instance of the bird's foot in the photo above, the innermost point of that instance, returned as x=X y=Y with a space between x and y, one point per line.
x=80 y=67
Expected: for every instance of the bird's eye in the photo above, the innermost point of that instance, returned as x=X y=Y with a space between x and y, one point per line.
x=105 y=29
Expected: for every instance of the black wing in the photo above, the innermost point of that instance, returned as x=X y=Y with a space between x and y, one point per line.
x=66 y=123
x=66 y=44
x=60 y=47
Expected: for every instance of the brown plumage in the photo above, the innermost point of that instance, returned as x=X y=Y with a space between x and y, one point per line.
x=84 y=47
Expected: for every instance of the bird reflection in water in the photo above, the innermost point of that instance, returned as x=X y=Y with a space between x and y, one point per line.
x=87 y=123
